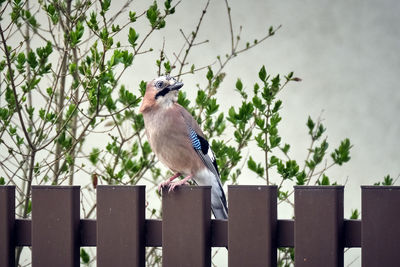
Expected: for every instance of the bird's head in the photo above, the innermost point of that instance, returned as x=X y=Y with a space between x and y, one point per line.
x=161 y=92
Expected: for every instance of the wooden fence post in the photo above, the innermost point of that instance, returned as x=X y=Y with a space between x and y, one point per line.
x=55 y=226
x=380 y=231
x=318 y=226
x=120 y=226
x=186 y=226
x=7 y=222
x=252 y=226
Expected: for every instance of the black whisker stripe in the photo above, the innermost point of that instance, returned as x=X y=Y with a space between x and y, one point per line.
x=163 y=92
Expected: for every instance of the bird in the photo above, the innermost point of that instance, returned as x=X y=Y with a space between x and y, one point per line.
x=178 y=141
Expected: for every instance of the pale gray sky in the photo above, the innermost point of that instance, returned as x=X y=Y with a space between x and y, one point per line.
x=346 y=52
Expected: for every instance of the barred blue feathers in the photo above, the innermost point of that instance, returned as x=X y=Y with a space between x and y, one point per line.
x=195 y=140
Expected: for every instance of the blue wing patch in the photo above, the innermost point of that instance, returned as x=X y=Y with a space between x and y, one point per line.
x=195 y=140
x=202 y=147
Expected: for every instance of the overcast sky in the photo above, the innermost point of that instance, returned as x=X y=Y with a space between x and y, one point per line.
x=346 y=52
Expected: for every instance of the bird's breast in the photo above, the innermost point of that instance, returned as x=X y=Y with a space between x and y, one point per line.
x=168 y=138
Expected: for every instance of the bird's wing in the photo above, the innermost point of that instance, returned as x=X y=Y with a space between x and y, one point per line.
x=199 y=143
x=203 y=149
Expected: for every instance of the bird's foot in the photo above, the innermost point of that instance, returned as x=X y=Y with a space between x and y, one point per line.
x=184 y=181
x=163 y=184
x=168 y=181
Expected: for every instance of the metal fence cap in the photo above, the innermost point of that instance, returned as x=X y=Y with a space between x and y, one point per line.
x=380 y=187
x=49 y=187
x=6 y=187
x=252 y=186
x=319 y=187
x=121 y=187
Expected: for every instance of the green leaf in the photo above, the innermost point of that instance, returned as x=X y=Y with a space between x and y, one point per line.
x=273 y=161
x=152 y=14
x=275 y=83
x=84 y=256
x=210 y=74
x=32 y=61
x=146 y=149
x=256 y=88
x=301 y=178
x=105 y=5
x=258 y=103
x=142 y=87
x=201 y=98
x=342 y=154
x=182 y=99
x=321 y=129
x=288 y=170
x=31 y=19
x=51 y=12
x=245 y=112
x=72 y=68
x=42 y=113
x=271 y=30
x=132 y=37
x=324 y=181
x=30 y=111
x=167 y=4
x=2 y=181
x=167 y=67
x=310 y=164
x=319 y=152
x=285 y=148
x=274 y=140
x=115 y=28
x=127 y=98
x=2 y=65
x=21 y=59
x=277 y=106
x=212 y=106
x=232 y=115
x=92 y=23
x=69 y=159
x=72 y=110
x=260 y=122
x=253 y=166
x=13 y=130
x=239 y=85
x=29 y=209
x=132 y=16
x=75 y=36
x=4 y=113
x=310 y=124
x=387 y=180
x=262 y=74
x=355 y=214
x=289 y=76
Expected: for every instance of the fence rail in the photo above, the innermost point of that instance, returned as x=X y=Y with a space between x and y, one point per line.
x=186 y=233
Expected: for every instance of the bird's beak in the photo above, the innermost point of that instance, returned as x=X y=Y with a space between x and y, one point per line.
x=175 y=86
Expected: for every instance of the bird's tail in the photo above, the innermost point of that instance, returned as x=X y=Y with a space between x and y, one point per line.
x=218 y=203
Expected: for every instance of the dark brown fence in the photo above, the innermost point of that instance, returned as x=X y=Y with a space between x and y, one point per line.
x=253 y=233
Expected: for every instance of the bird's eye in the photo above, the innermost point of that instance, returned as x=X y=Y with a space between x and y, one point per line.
x=159 y=84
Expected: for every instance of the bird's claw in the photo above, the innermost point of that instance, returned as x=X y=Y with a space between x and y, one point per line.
x=163 y=184
x=175 y=184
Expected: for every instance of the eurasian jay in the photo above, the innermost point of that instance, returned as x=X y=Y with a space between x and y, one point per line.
x=178 y=142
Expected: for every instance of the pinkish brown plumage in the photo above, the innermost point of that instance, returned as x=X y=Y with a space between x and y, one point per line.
x=178 y=141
